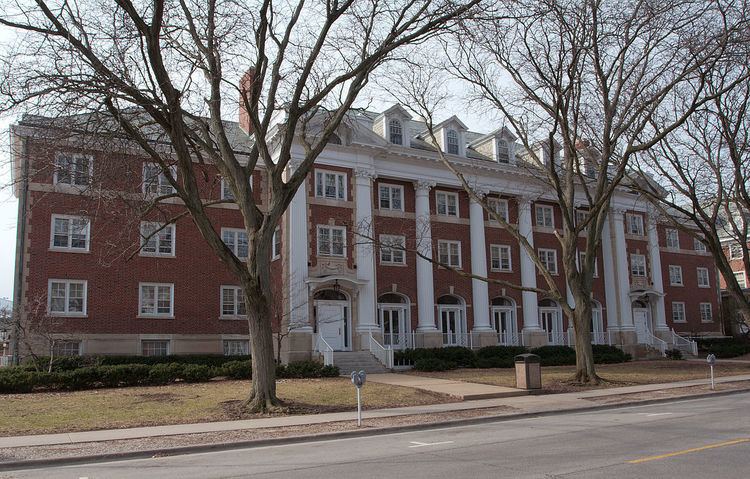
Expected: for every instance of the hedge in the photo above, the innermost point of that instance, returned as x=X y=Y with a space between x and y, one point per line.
x=22 y=380
x=70 y=363
x=725 y=347
x=441 y=359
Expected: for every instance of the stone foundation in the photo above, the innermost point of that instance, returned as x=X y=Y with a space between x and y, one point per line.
x=534 y=339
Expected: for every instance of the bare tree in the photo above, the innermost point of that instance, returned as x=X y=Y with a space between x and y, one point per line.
x=583 y=86
x=163 y=70
x=698 y=177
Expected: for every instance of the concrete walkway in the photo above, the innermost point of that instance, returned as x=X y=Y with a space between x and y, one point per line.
x=458 y=389
x=521 y=405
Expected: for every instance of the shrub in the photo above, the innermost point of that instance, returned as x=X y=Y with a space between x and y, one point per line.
x=605 y=354
x=555 y=355
x=236 y=370
x=725 y=347
x=160 y=374
x=498 y=356
x=81 y=378
x=460 y=356
x=433 y=364
x=195 y=373
x=673 y=354
x=17 y=380
x=124 y=375
x=305 y=369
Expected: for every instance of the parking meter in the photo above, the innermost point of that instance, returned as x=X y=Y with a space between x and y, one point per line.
x=711 y=360
x=358 y=379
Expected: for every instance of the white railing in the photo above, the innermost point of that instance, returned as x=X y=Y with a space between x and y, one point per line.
x=322 y=346
x=684 y=344
x=657 y=343
x=508 y=339
x=460 y=339
x=557 y=338
x=597 y=337
x=398 y=340
x=6 y=361
x=383 y=354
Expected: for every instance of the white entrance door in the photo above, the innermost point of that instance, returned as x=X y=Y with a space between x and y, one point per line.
x=331 y=318
x=640 y=321
x=597 y=326
x=451 y=324
x=393 y=323
x=505 y=325
x=552 y=323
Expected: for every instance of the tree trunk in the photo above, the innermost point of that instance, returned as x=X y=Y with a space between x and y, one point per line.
x=263 y=390
x=585 y=369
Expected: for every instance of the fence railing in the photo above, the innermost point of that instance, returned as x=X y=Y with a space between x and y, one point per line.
x=6 y=361
x=383 y=354
x=322 y=346
x=684 y=344
x=657 y=343
x=397 y=340
x=508 y=339
x=558 y=338
x=597 y=337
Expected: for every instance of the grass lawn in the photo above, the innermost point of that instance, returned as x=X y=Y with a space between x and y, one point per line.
x=40 y=413
x=556 y=378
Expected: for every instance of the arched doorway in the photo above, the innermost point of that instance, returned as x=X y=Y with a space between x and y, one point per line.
x=642 y=321
x=504 y=321
x=332 y=318
x=597 y=324
x=452 y=314
x=550 y=318
x=393 y=316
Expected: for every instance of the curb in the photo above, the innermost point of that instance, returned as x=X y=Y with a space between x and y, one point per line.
x=380 y=431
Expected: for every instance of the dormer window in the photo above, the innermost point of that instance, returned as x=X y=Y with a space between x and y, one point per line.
x=503 y=151
x=395 y=132
x=452 y=142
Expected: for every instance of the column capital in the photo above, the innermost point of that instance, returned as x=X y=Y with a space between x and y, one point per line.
x=365 y=174
x=423 y=186
x=481 y=191
x=618 y=210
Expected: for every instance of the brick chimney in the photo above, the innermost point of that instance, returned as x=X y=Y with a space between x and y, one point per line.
x=246 y=83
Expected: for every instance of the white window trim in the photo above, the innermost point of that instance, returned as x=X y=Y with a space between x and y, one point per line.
x=224 y=184
x=554 y=254
x=708 y=277
x=710 y=311
x=389 y=131
x=69 y=249
x=629 y=219
x=744 y=278
x=447 y=194
x=66 y=313
x=156 y=254
x=168 y=341
x=666 y=239
x=330 y=254
x=382 y=240
x=684 y=312
x=499 y=201
x=144 y=187
x=448 y=244
x=645 y=267
x=276 y=253
x=234 y=230
x=551 y=210
x=500 y=247
x=236 y=290
x=331 y=172
x=156 y=314
x=244 y=341
x=91 y=169
x=391 y=187
x=731 y=255
x=675 y=267
x=581 y=258
x=698 y=245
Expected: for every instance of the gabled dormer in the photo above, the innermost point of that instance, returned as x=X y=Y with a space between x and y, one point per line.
x=450 y=135
x=500 y=146
x=393 y=125
x=542 y=153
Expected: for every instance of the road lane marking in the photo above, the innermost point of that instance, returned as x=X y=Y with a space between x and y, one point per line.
x=652 y=414
x=688 y=451
x=423 y=444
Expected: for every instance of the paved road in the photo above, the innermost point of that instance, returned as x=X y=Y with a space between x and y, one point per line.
x=707 y=438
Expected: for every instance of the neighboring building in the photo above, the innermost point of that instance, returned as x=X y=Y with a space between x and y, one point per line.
x=381 y=177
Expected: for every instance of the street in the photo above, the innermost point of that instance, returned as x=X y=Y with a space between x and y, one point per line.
x=686 y=439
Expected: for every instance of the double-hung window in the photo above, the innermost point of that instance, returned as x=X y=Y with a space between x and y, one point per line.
x=703 y=278
x=66 y=348
x=226 y=188
x=638 y=265
x=503 y=151
x=236 y=240
x=698 y=245
x=446 y=203
x=735 y=251
x=276 y=245
x=500 y=207
x=581 y=216
x=73 y=169
x=67 y=297
x=452 y=141
x=156 y=300
x=157 y=239
x=548 y=257
x=675 y=275
x=391 y=197
x=582 y=260
x=155 y=347
x=673 y=238
x=449 y=253
x=741 y=278
x=706 y=312
x=155 y=181
x=236 y=347
x=331 y=241
x=678 y=312
x=635 y=224
x=500 y=257
x=545 y=216
x=70 y=233
x=392 y=249
x=330 y=185
x=395 y=132
x=233 y=302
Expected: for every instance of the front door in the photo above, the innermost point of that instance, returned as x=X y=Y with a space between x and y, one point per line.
x=552 y=323
x=505 y=325
x=640 y=321
x=597 y=326
x=450 y=322
x=393 y=321
x=331 y=319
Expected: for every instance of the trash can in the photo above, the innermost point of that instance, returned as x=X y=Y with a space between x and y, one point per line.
x=528 y=371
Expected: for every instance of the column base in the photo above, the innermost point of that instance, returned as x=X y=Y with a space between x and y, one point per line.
x=483 y=337
x=361 y=340
x=534 y=338
x=297 y=346
x=428 y=339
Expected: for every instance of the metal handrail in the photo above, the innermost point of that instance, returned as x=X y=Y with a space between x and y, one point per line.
x=327 y=350
x=384 y=355
x=687 y=344
x=658 y=343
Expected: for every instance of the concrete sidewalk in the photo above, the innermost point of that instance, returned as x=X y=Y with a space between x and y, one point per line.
x=522 y=404
x=462 y=390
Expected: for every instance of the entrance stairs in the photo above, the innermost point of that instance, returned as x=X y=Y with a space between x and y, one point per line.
x=348 y=361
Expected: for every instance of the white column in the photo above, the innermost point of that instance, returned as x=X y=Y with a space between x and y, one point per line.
x=479 y=289
x=660 y=322
x=297 y=236
x=610 y=279
x=623 y=271
x=366 y=309
x=425 y=284
x=528 y=268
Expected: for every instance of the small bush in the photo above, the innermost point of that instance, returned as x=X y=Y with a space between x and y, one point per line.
x=195 y=373
x=555 y=355
x=605 y=354
x=236 y=370
x=433 y=364
x=305 y=369
x=124 y=375
x=725 y=347
x=17 y=380
x=675 y=354
x=498 y=356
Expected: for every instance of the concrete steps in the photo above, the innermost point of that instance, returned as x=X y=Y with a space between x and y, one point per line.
x=348 y=361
